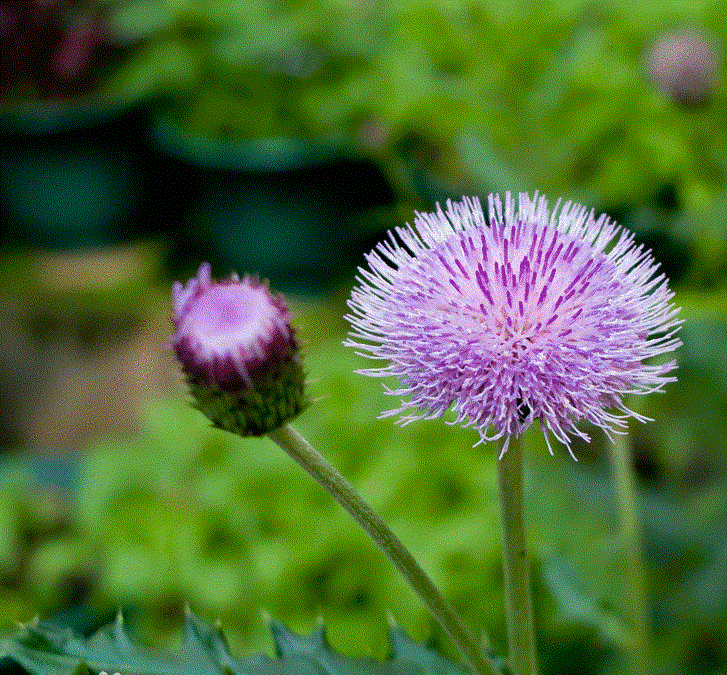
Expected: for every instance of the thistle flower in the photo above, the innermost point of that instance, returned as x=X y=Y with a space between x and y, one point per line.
x=238 y=351
x=534 y=315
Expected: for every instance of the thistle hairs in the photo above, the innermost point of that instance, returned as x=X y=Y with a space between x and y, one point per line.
x=514 y=316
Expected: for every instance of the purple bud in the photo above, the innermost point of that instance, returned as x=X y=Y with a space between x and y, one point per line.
x=239 y=352
x=685 y=65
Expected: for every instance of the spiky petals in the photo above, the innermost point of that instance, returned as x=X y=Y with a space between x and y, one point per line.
x=514 y=318
x=238 y=350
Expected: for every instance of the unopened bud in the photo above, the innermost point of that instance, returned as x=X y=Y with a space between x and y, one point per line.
x=685 y=65
x=238 y=351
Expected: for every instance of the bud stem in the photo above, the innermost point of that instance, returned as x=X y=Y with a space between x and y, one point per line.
x=344 y=493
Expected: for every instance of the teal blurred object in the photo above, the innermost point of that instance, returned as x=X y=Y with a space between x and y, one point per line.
x=66 y=198
x=260 y=155
x=68 y=177
x=282 y=208
x=42 y=117
x=260 y=225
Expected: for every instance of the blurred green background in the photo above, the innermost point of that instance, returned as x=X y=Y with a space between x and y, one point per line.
x=140 y=137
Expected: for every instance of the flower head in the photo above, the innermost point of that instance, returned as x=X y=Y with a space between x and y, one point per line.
x=534 y=315
x=238 y=350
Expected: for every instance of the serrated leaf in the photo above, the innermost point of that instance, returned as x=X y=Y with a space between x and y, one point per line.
x=43 y=649
x=403 y=647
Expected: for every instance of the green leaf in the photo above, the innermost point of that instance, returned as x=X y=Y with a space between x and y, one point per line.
x=156 y=68
x=140 y=18
x=575 y=605
x=484 y=164
x=43 y=649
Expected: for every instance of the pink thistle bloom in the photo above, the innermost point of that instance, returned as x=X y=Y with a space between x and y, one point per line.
x=71 y=57
x=239 y=352
x=520 y=316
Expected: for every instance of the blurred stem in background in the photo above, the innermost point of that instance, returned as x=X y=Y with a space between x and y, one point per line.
x=518 y=599
x=344 y=493
x=632 y=547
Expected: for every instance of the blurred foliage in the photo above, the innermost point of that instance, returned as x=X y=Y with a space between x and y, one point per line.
x=186 y=513
x=491 y=94
x=447 y=98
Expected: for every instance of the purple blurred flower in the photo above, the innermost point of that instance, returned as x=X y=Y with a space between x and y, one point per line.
x=685 y=64
x=52 y=48
x=72 y=56
x=239 y=352
x=514 y=318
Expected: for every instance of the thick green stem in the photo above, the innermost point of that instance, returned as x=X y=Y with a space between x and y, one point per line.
x=518 y=600
x=344 y=493
x=625 y=486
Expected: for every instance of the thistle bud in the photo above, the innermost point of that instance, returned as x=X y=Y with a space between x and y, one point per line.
x=685 y=65
x=238 y=351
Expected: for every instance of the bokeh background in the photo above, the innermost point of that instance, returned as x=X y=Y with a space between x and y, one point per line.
x=283 y=137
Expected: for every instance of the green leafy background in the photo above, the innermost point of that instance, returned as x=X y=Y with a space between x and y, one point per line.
x=549 y=94
x=185 y=513
x=444 y=98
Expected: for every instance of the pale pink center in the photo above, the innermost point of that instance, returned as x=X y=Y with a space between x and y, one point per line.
x=227 y=314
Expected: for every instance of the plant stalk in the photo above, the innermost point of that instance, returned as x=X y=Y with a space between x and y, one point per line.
x=518 y=599
x=344 y=493
x=631 y=537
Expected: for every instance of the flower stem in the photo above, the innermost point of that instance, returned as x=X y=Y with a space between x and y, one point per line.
x=344 y=493
x=625 y=486
x=518 y=601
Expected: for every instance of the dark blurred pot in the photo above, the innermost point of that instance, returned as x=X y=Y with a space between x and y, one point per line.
x=280 y=207
x=68 y=176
